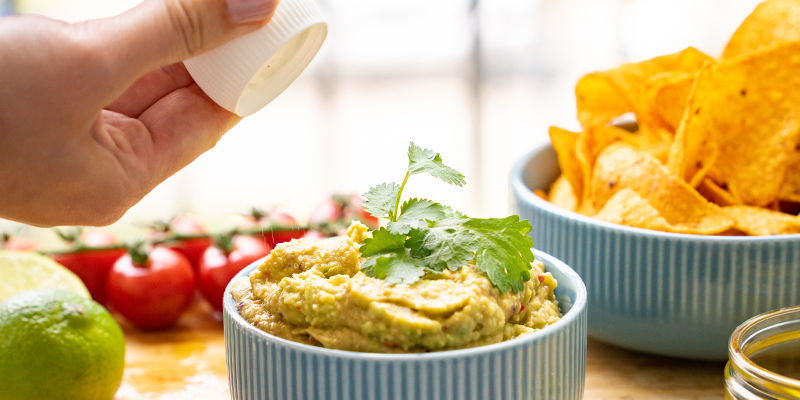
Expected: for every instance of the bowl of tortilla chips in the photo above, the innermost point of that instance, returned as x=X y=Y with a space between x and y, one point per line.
x=677 y=202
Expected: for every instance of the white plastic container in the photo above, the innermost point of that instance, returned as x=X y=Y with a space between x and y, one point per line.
x=247 y=73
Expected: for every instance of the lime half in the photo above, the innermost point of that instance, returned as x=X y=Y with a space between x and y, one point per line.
x=21 y=271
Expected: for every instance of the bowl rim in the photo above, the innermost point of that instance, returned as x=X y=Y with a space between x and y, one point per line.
x=567 y=319
x=524 y=193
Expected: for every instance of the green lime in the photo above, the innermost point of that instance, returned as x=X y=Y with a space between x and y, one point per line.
x=23 y=271
x=58 y=345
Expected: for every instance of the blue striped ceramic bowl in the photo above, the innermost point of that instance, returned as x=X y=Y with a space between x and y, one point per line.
x=663 y=293
x=549 y=364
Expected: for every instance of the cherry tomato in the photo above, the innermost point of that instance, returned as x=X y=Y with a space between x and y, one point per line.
x=334 y=214
x=354 y=210
x=265 y=219
x=218 y=266
x=327 y=211
x=314 y=235
x=9 y=242
x=98 y=238
x=92 y=265
x=151 y=293
x=192 y=249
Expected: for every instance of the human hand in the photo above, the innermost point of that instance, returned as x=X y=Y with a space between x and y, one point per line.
x=94 y=115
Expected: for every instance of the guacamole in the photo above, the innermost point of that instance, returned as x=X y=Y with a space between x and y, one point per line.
x=311 y=291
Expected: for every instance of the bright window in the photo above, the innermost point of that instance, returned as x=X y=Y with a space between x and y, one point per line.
x=479 y=81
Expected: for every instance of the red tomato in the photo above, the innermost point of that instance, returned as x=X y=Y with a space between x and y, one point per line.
x=335 y=213
x=328 y=211
x=192 y=249
x=97 y=238
x=265 y=219
x=354 y=210
x=218 y=268
x=313 y=235
x=153 y=295
x=92 y=265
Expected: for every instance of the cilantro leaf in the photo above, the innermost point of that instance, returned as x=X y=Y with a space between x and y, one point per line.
x=504 y=252
x=443 y=244
x=415 y=213
x=500 y=247
x=381 y=200
x=394 y=267
x=388 y=259
x=426 y=236
x=423 y=160
x=382 y=242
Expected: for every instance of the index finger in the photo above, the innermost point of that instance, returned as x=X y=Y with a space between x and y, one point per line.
x=184 y=124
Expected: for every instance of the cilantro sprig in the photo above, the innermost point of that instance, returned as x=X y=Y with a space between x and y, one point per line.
x=424 y=236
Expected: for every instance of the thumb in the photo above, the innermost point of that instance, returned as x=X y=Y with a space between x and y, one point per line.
x=161 y=32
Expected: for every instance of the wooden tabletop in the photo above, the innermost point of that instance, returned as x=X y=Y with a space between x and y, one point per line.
x=188 y=362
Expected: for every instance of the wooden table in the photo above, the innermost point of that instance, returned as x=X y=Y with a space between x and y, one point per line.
x=188 y=362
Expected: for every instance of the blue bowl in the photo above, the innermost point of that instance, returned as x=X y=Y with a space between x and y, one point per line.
x=549 y=364
x=663 y=293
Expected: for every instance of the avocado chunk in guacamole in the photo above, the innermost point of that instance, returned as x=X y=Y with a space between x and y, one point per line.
x=311 y=291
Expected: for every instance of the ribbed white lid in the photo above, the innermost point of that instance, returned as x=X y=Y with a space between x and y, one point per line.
x=247 y=73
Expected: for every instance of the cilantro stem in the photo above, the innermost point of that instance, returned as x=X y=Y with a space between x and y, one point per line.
x=399 y=195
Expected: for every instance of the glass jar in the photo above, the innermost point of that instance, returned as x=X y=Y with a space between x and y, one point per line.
x=764 y=357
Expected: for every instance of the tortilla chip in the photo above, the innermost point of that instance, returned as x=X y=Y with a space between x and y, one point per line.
x=628 y=208
x=598 y=101
x=562 y=195
x=577 y=153
x=760 y=221
x=592 y=141
x=589 y=145
x=565 y=144
x=716 y=194
x=621 y=166
x=694 y=148
x=669 y=94
x=743 y=119
x=603 y=96
x=790 y=188
x=771 y=22
x=655 y=141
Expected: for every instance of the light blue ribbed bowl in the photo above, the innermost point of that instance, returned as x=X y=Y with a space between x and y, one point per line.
x=670 y=294
x=549 y=364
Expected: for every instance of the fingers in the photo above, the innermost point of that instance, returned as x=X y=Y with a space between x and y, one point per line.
x=150 y=88
x=163 y=32
x=183 y=125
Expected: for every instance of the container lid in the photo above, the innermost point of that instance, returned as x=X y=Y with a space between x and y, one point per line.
x=248 y=72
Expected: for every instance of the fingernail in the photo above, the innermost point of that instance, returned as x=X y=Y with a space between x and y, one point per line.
x=244 y=11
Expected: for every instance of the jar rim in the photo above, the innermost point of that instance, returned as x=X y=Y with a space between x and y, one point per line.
x=741 y=361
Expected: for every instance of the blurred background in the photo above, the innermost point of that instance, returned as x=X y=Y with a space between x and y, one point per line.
x=477 y=80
